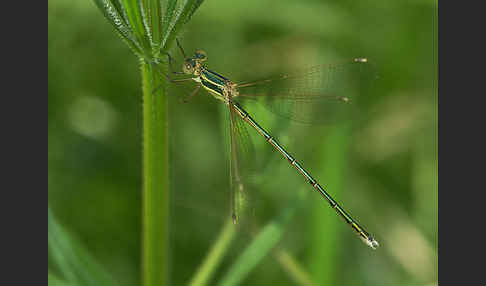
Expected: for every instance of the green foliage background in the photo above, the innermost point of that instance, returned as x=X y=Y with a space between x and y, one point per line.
x=382 y=166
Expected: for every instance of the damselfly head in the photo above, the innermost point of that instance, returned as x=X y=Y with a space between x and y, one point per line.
x=189 y=66
x=200 y=55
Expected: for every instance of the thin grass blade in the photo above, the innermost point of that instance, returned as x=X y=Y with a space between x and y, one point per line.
x=215 y=255
x=259 y=247
x=293 y=268
x=53 y=280
x=72 y=259
x=322 y=224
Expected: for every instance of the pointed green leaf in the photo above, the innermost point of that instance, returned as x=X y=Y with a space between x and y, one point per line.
x=194 y=7
x=139 y=27
x=119 y=8
x=168 y=16
x=152 y=11
x=71 y=258
x=112 y=14
x=182 y=17
x=263 y=243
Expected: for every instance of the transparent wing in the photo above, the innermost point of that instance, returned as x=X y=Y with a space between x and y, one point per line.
x=319 y=94
x=241 y=156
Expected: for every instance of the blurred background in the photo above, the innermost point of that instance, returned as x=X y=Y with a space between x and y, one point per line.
x=381 y=165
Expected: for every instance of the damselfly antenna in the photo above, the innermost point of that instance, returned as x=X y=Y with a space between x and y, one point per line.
x=180 y=47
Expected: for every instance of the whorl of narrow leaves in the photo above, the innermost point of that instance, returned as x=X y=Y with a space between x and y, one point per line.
x=148 y=26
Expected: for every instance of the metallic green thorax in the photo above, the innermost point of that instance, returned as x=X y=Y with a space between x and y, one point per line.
x=213 y=82
x=219 y=86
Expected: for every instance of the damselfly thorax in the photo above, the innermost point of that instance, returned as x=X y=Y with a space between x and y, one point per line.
x=217 y=85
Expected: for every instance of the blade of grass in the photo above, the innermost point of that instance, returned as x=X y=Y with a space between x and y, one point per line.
x=323 y=224
x=71 y=258
x=155 y=199
x=259 y=247
x=215 y=255
x=53 y=280
x=292 y=268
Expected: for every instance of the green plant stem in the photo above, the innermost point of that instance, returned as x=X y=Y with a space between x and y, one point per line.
x=215 y=255
x=155 y=197
x=324 y=224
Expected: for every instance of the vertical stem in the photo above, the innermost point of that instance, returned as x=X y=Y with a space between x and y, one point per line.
x=155 y=196
x=324 y=224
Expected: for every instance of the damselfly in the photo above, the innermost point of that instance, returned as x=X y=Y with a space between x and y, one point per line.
x=318 y=82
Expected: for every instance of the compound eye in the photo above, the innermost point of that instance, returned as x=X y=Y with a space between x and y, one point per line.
x=201 y=55
x=188 y=67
